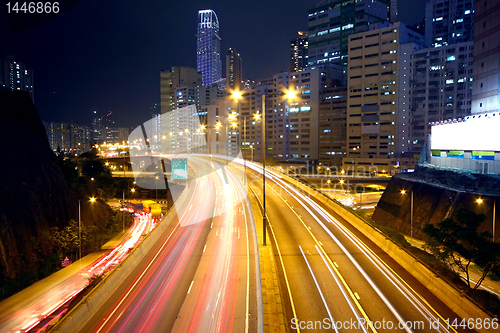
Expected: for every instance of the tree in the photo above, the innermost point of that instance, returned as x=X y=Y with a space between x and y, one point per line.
x=459 y=240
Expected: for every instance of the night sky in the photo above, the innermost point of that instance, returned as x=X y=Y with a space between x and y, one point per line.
x=107 y=55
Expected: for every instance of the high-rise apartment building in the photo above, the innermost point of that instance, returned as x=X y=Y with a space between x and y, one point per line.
x=449 y=22
x=15 y=76
x=117 y=135
x=434 y=84
x=372 y=102
x=486 y=88
x=179 y=87
x=298 y=52
x=234 y=72
x=69 y=137
x=208 y=47
x=332 y=21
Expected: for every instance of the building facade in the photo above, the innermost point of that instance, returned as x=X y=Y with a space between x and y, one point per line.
x=434 y=84
x=208 y=47
x=332 y=126
x=372 y=102
x=292 y=126
x=15 y=76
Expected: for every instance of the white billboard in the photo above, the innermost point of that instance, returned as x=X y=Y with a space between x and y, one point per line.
x=478 y=133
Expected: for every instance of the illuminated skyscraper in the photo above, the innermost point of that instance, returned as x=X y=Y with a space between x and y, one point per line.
x=208 y=47
x=234 y=74
x=298 y=52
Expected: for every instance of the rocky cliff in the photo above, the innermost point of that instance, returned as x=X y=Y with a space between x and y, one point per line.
x=437 y=194
x=34 y=195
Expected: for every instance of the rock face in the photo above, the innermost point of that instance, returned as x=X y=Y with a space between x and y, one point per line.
x=437 y=194
x=34 y=195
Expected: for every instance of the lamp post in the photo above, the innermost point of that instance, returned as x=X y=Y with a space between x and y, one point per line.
x=245 y=142
x=156 y=186
x=494 y=211
x=79 y=229
x=411 y=212
x=289 y=95
x=80 y=225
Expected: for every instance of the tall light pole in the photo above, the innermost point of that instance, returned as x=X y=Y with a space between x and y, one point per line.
x=411 y=212
x=289 y=95
x=156 y=186
x=79 y=229
x=264 y=218
x=494 y=212
x=80 y=225
x=244 y=142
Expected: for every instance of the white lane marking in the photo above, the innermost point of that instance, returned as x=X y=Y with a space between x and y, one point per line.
x=343 y=292
x=336 y=265
x=357 y=296
x=204 y=248
x=190 y=286
x=319 y=289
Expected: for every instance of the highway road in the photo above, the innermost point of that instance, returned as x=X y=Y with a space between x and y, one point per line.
x=332 y=275
x=201 y=274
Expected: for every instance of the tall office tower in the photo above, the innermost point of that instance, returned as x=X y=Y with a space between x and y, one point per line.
x=179 y=87
x=434 y=84
x=298 y=52
x=208 y=47
x=449 y=22
x=372 y=102
x=332 y=126
x=234 y=73
x=15 y=76
x=330 y=24
x=485 y=88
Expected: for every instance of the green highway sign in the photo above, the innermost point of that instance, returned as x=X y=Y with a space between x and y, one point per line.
x=179 y=168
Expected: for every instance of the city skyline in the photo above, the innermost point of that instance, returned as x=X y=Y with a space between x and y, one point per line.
x=106 y=59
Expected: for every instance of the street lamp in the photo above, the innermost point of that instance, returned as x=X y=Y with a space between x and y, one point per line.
x=156 y=186
x=80 y=225
x=479 y=201
x=288 y=95
x=411 y=213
